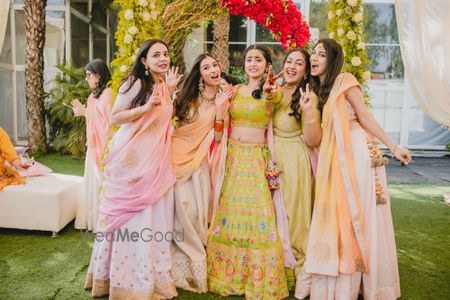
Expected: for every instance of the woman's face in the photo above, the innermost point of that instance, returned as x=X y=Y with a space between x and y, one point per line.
x=210 y=71
x=92 y=79
x=157 y=59
x=318 y=61
x=294 y=67
x=255 y=64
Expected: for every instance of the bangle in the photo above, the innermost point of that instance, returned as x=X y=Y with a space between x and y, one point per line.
x=309 y=122
x=218 y=125
x=393 y=151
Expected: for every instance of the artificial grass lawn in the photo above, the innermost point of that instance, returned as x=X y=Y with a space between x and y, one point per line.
x=35 y=266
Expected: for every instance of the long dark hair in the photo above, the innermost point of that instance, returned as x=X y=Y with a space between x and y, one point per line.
x=99 y=67
x=335 y=60
x=138 y=72
x=295 y=100
x=186 y=98
x=266 y=54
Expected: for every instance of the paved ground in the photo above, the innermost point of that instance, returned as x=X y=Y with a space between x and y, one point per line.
x=432 y=170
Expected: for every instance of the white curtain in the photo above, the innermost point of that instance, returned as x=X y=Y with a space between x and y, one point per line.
x=4 y=10
x=424 y=32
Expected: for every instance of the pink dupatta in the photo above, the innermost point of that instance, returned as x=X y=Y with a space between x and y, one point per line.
x=138 y=166
x=98 y=122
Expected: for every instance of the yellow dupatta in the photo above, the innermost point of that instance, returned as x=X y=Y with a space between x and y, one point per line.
x=336 y=244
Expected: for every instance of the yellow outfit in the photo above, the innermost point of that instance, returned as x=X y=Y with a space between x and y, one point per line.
x=297 y=181
x=7 y=152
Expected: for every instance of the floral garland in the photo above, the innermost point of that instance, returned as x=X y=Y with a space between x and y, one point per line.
x=138 y=21
x=345 y=26
x=281 y=17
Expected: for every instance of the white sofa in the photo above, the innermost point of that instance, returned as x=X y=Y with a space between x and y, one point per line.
x=45 y=203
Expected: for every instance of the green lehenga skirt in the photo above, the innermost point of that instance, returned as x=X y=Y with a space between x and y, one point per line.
x=244 y=251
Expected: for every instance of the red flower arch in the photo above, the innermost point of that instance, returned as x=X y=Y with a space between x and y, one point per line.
x=281 y=17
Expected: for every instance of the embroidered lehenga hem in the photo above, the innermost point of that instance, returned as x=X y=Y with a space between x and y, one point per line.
x=245 y=252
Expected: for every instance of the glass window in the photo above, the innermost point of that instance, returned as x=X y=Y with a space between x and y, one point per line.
x=386 y=62
x=99 y=44
x=383 y=49
x=263 y=34
x=54 y=38
x=80 y=5
x=318 y=17
x=238 y=29
x=6 y=101
x=20 y=37
x=380 y=25
x=80 y=41
x=22 y=130
x=99 y=14
x=5 y=55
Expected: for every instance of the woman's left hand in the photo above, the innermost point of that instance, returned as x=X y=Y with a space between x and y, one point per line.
x=173 y=78
x=305 y=99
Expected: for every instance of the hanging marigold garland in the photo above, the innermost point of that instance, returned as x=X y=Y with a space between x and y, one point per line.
x=281 y=17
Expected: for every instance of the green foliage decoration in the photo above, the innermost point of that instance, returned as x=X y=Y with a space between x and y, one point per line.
x=139 y=20
x=67 y=133
x=345 y=25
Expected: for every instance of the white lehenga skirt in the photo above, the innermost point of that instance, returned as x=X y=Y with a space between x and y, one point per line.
x=191 y=222
x=87 y=211
x=139 y=267
x=381 y=281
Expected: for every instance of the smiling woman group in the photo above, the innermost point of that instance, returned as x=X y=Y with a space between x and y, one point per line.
x=197 y=205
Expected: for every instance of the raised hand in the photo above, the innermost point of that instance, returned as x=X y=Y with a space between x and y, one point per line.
x=78 y=108
x=224 y=96
x=305 y=99
x=155 y=99
x=270 y=86
x=173 y=78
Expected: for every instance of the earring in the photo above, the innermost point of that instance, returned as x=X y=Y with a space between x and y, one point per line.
x=146 y=71
x=201 y=86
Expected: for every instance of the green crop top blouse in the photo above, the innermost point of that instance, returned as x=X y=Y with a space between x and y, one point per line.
x=246 y=111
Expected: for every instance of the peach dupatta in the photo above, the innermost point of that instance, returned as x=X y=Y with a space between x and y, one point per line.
x=138 y=165
x=336 y=242
x=191 y=143
x=98 y=122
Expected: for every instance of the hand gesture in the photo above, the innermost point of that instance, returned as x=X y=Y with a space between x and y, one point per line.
x=224 y=96
x=78 y=108
x=154 y=100
x=403 y=155
x=305 y=99
x=270 y=86
x=173 y=78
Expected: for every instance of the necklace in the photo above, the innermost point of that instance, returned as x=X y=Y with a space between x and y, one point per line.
x=210 y=100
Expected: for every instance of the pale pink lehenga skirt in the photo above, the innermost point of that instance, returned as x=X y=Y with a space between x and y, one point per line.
x=381 y=281
x=136 y=267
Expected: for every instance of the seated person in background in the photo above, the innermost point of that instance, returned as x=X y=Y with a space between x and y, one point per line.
x=9 y=175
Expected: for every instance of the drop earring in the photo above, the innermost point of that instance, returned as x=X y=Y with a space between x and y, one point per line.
x=201 y=86
x=146 y=71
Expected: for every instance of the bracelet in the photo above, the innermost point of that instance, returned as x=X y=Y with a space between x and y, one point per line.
x=393 y=151
x=310 y=122
x=218 y=125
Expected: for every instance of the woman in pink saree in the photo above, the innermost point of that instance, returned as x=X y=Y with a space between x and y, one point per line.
x=131 y=256
x=195 y=108
x=351 y=247
x=98 y=124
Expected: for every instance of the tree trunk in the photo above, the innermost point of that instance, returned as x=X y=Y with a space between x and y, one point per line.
x=34 y=73
x=220 y=36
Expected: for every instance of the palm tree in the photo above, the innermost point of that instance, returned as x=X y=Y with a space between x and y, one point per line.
x=221 y=36
x=34 y=73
